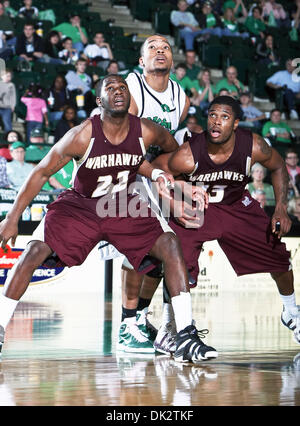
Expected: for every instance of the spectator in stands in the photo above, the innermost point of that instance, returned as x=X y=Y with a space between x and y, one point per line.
x=291 y=87
x=192 y=69
x=4 y=183
x=294 y=209
x=186 y=23
x=37 y=112
x=223 y=92
x=58 y=98
x=80 y=83
x=68 y=54
x=209 y=21
x=258 y=174
x=18 y=169
x=205 y=90
x=75 y=31
x=9 y=11
x=231 y=26
x=79 y=80
x=9 y=138
x=63 y=178
x=231 y=82
x=28 y=11
x=67 y=122
x=291 y=162
x=266 y=52
x=255 y=23
x=29 y=45
x=295 y=14
x=251 y=115
x=7 y=38
x=191 y=126
x=113 y=67
x=99 y=53
x=37 y=148
x=238 y=7
x=275 y=129
x=260 y=196
x=13 y=136
x=52 y=47
x=7 y=99
x=181 y=78
x=273 y=10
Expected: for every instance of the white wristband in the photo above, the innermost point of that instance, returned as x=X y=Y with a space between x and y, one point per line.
x=156 y=173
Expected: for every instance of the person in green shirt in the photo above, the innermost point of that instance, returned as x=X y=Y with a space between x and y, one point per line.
x=75 y=31
x=192 y=70
x=63 y=178
x=231 y=26
x=238 y=7
x=230 y=82
x=181 y=78
x=276 y=128
x=205 y=90
x=255 y=23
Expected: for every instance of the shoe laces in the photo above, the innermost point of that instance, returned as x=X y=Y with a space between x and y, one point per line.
x=198 y=333
x=134 y=330
x=202 y=333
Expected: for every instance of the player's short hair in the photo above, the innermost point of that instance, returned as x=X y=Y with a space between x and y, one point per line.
x=143 y=45
x=228 y=100
x=99 y=85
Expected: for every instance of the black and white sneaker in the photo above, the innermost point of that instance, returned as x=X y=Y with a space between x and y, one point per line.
x=291 y=319
x=190 y=348
x=1 y=338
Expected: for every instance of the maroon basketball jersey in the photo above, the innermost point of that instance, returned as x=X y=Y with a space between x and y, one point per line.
x=225 y=182
x=106 y=168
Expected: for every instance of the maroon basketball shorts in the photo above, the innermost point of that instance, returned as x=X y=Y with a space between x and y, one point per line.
x=72 y=228
x=243 y=231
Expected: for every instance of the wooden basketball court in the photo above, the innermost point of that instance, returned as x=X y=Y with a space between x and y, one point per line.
x=60 y=347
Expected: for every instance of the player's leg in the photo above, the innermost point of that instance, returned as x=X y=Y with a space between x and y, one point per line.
x=188 y=344
x=132 y=337
x=17 y=282
x=290 y=316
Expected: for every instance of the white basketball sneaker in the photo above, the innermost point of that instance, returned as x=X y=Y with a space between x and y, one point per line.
x=291 y=319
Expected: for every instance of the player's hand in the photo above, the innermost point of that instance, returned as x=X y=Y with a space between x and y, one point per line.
x=165 y=183
x=187 y=215
x=8 y=231
x=281 y=217
x=200 y=196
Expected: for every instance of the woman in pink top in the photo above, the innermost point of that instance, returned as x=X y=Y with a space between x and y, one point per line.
x=37 y=111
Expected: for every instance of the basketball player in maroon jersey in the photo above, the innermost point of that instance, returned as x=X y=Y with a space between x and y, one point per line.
x=109 y=150
x=221 y=159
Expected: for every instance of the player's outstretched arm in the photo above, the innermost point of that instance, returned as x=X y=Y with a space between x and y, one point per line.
x=73 y=145
x=272 y=160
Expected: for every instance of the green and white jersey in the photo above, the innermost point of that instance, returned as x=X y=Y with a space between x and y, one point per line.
x=164 y=108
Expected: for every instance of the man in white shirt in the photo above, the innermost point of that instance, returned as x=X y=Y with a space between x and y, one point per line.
x=291 y=87
x=186 y=22
x=99 y=52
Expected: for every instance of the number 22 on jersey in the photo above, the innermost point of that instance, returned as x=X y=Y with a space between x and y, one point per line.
x=105 y=184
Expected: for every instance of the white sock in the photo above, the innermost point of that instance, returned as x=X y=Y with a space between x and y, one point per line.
x=182 y=306
x=7 y=309
x=168 y=313
x=289 y=301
